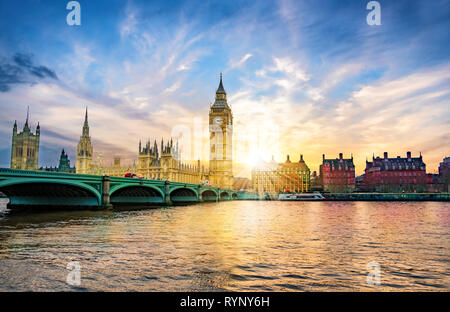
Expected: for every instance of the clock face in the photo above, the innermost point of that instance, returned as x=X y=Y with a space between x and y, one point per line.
x=218 y=120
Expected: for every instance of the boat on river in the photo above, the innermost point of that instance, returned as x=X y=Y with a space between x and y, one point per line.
x=301 y=196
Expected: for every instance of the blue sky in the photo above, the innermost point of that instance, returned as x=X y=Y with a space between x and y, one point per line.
x=310 y=75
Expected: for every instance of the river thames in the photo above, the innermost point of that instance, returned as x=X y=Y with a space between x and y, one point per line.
x=231 y=246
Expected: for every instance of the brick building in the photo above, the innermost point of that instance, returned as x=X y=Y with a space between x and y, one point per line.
x=444 y=174
x=394 y=175
x=337 y=175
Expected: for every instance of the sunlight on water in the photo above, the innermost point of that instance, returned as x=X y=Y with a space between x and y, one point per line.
x=235 y=246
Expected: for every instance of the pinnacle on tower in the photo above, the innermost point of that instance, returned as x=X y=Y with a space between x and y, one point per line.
x=220 y=89
x=25 y=127
x=86 y=116
x=221 y=97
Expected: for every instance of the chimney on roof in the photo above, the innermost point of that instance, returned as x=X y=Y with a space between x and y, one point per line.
x=323 y=157
x=301 y=157
x=340 y=156
x=408 y=155
x=385 y=155
x=288 y=160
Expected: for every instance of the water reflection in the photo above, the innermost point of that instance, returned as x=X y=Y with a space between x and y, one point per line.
x=237 y=246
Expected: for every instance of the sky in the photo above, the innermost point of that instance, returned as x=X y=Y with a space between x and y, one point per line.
x=302 y=77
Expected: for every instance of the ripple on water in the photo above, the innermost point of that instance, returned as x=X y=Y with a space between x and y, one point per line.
x=234 y=246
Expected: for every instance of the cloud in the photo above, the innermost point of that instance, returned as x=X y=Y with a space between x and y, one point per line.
x=409 y=112
x=325 y=85
x=173 y=87
x=23 y=71
x=241 y=61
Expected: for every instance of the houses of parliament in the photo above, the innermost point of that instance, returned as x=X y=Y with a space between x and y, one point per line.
x=155 y=161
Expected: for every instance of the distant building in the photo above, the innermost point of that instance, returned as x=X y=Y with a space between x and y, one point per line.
x=337 y=175
x=25 y=147
x=444 y=174
x=394 y=175
x=241 y=183
x=433 y=185
x=64 y=164
x=316 y=183
x=282 y=177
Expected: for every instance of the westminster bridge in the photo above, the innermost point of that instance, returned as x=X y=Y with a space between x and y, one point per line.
x=55 y=189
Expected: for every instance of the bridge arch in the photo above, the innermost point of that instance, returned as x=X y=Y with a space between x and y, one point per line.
x=209 y=195
x=234 y=195
x=120 y=186
x=224 y=195
x=132 y=193
x=183 y=194
x=50 y=192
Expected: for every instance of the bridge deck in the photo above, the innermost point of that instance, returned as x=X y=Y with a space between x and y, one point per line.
x=43 y=188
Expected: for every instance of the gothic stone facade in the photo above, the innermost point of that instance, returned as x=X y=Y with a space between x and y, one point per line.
x=25 y=147
x=165 y=164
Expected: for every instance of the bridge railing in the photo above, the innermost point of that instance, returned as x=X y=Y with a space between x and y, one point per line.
x=8 y=171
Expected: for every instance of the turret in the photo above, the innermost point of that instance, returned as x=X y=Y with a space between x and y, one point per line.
x=288 y=160
x=155 y=149
x=38 y=129
x=15 y=127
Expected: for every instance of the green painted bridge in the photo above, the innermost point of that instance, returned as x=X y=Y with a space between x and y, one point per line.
x=41 y=188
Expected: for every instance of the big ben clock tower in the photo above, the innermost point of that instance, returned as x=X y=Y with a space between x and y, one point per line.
x=220 y=140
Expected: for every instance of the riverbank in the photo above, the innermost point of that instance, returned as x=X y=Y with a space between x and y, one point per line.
x=374 y=196
x=388 y=196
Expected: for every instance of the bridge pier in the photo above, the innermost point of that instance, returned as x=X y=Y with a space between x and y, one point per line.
x=200 y=197
x=106 y=200
x=167 y=200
